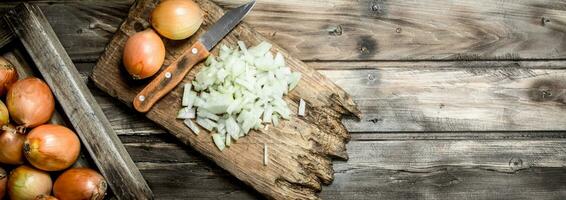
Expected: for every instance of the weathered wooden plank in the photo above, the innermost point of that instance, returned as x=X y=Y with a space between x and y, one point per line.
x=446 y=183
x=413 y=30
x=476 y=98
x=84 y=28
x=414 y=156
x=370 y=183
x=465 y=64
x=447 y=169
x=351 y=30
x=185 y=181
x=32 y=29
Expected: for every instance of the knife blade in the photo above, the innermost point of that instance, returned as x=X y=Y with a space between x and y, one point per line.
x=172 y=75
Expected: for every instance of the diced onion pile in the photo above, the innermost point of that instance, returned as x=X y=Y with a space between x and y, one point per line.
x=240 y=90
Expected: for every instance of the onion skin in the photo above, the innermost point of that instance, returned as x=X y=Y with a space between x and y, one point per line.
x=51 y=147
x=4 y=114
x=30 y=102
x=11 y=146
x=26 y=183
x=8 y=75
x=80 y=183
x=177 y=19
x=144 y=53
x=3 y=182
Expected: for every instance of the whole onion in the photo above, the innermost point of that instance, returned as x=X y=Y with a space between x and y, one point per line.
x=51 y=147
x=144 y=54
x=26 y=183
x=177 y=19
x=80 y=183
x=30 y=102
x=3 y=181
x=11 y=145
x=8 y=75
x=45 y=197
x=4 y=114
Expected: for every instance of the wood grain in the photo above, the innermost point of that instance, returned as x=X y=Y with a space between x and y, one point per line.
x=300 y=148
x=84 y=28
x=416 y=156
x=35 y=33
x=476 y=98
x=451 y=169
x=413 y=30
x=352 y=30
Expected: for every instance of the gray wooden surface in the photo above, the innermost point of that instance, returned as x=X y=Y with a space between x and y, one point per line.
x=460 y=99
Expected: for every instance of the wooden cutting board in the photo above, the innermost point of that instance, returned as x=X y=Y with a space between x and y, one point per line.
x=300 y=149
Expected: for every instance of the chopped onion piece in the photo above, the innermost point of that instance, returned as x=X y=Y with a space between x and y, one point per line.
x=228 y=141
x=192 y=126
x=275 y=119
x=295 y=77
x=260 y=49
x=218 y=141
x=265 y=155
x=206 y=123
x=267 y=113
x=302 y=107
x=187 y=100
x=205 y=114
x=186 y=113
x=232 y=128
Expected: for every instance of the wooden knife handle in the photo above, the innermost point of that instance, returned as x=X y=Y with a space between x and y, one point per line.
x=169 y=77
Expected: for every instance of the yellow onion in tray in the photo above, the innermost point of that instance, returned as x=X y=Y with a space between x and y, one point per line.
x=11 y=145
x=177 y=19
x=4 y=114
x=30 y=102
x=8 y=75
x=51 y=147
x=26 y=183
x=80 y=183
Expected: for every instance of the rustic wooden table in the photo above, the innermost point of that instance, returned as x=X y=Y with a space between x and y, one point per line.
x=461 y=99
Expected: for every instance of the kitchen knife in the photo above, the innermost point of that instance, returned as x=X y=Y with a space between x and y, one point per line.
x=172 y=75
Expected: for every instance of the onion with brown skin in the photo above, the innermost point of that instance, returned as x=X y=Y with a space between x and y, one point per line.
x=80 y=183
x=11 y=145
x=51 y=147
x=26 y=183
x=144 y=54
x=30 y=102
x=177 y=19
x=8 y=75
x=3 y=181
x=4 y=114
x=45 y=197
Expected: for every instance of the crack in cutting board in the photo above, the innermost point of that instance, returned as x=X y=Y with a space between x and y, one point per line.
x=300 y=149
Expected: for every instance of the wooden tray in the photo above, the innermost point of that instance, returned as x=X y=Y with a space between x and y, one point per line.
x=299 y=149
x=25 y=27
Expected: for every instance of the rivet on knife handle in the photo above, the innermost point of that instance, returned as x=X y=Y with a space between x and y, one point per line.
x=170 y=77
